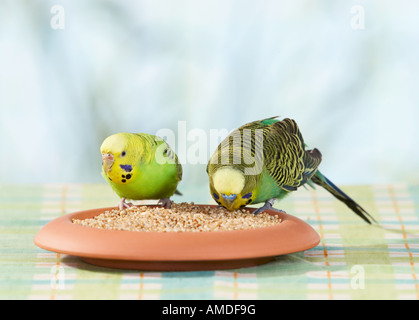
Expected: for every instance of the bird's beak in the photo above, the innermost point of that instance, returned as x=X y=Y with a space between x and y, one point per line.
x=229 y=200
x=108 y=160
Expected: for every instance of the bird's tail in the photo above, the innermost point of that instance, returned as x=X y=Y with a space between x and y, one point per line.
x=321 y=180
x=178 y=192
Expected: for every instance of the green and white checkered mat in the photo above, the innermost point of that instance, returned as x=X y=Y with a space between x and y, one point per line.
x=352 y=261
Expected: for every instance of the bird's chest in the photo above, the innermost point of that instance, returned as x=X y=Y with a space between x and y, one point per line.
x=142 y=182
x=268 y=189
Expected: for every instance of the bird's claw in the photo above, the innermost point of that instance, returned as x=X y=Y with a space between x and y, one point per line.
x=165 y=202
x=124 y=205
x=260 y=210
x=267 y=206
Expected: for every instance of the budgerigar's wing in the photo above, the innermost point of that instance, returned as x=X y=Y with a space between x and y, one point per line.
x=172 y=158
x=230 y=150
x=160 y=148
x=285 y=157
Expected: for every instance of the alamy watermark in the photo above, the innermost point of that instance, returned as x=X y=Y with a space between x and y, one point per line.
x=57 y=21
x=357 y=21
x=357 y=277
x=243 y=147
x=57 y=281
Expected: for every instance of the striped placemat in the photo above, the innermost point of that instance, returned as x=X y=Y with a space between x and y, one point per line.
x=352 y=261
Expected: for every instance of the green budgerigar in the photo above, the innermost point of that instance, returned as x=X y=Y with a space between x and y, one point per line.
x=265 y=160
x=140 y=166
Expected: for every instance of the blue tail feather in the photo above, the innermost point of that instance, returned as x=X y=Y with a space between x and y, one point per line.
x=321 y=180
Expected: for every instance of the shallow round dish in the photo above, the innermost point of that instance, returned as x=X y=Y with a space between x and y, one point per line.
x=175 y=251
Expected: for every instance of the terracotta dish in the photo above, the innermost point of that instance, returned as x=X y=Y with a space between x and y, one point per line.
x=175 y=251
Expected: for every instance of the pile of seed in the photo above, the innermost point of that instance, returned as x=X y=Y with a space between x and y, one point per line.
x=182 y=217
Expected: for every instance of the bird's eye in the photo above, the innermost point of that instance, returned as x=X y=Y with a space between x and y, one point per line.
x=123 y=153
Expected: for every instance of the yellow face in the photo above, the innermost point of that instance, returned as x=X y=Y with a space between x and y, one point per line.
x=228 y=189
x=118 y=158
x=233 y=201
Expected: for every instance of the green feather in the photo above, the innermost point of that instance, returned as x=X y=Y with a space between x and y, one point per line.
x=286 y=164
x=268 y=189
x=321 y=180
x=155 y=172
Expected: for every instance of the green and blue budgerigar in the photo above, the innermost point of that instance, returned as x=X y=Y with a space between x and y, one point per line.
x=140 y=166
x=265 y=160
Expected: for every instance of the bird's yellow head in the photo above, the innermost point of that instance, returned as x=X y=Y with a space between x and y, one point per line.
x=230 y=188
x=119 y=157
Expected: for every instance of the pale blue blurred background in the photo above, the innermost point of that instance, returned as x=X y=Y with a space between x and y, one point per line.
x=141 y=66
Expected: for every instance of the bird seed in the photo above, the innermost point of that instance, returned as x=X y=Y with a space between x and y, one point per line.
x=182 y=217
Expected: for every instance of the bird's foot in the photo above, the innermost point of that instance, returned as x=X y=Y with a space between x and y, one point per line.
x=124 y=205
x=267 y=206
x=165 y=202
